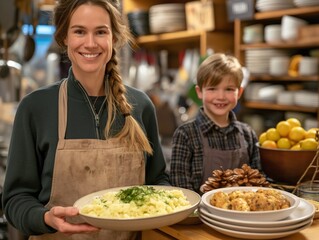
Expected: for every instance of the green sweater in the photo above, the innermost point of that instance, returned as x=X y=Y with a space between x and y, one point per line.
x=34 y=140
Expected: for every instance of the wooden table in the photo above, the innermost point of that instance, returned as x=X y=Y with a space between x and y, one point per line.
x=203 y=232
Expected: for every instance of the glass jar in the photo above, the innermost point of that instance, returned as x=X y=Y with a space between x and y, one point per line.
x=309 y=190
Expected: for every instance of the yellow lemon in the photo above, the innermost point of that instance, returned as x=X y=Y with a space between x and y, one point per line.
x=292 y=143
x=262 y=138
x=296 y=147
x=272 y=134
x=297 y=134
x=283 y=127
x=269 y=144
x=309 y=144
x=294 y=122
x=283 y=143
x=311 y=133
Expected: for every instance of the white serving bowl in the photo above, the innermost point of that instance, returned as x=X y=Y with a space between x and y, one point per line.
x=260 y=216
x=290 y=26
x=139 y=223
x=273 y=33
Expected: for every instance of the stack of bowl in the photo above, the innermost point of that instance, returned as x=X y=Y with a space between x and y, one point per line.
x=138 y=22
x=257 y=224
x=273 y=33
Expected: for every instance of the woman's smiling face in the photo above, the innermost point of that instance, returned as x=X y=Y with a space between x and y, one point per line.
x=89 y=40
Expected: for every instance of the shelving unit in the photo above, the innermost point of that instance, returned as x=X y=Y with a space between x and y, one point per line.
x=222 y=41
x=274 y=17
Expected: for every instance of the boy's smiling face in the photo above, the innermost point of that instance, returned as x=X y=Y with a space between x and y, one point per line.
x=219 y=100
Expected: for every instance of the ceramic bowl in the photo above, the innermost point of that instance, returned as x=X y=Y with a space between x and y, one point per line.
x=271 y=215
x=286 y=166
x=140 y=223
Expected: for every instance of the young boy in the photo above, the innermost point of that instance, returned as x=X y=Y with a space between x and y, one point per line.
x=215 y=139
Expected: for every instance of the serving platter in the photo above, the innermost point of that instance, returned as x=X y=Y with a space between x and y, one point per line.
x=141 y=223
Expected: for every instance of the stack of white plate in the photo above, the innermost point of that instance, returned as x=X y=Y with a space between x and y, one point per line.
x=272 y=5
x=305 y=3
x=306 y=98
x=299 y=219
x=286 y=98
x=258 y=60
x=168 y=17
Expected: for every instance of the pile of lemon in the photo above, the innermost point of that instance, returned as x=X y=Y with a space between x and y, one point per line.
x=289 y=134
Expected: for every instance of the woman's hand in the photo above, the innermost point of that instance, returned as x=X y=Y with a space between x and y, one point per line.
x=56 y=218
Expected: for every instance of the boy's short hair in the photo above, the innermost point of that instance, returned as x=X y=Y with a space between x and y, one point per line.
x=215 y=67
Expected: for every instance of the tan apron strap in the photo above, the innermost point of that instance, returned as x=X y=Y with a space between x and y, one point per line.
x=62 y=110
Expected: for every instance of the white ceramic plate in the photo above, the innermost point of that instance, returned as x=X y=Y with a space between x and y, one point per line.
x=250 y=235
x=139 y=224
x=255 y=229
x=304 y=211
x=260 y=216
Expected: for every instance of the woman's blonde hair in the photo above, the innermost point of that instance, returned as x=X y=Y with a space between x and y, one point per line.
x=114 y=88
x=215 y=67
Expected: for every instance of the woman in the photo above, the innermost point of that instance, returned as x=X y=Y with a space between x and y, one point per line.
x=86 y=133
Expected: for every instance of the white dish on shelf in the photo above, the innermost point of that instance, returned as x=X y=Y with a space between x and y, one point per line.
x=286 y=98
x=290 y=26
x=306 y=3
x=272 y=33
x=272 y=5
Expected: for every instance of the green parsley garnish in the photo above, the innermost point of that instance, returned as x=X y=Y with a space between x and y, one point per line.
x=135 y=194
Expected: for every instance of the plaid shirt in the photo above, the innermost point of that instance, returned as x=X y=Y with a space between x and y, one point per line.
x=187 y=154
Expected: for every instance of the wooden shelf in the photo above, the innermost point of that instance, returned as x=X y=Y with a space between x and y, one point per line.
x=169 y=37
x=284 y=45
x=299 y=46
x=274 y=106
x=292 y=11
x=267 y=77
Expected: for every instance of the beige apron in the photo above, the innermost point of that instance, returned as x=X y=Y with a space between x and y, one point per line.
x=83 y=166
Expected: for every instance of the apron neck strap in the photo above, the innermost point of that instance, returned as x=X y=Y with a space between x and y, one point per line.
x=63 y=107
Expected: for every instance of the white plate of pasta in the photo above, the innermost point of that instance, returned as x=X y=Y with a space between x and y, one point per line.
x=137 y=208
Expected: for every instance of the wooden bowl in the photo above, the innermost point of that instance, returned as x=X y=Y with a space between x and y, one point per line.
x=287 y=166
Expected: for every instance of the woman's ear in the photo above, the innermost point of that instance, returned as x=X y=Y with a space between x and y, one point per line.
x=199 y=92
